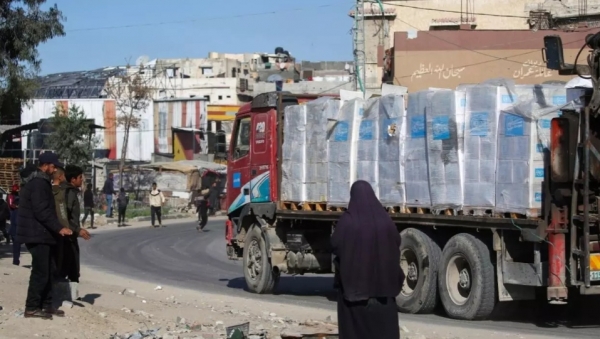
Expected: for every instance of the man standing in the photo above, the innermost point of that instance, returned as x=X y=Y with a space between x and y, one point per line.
x=88 y=205
x=71 y=266
x=109 y=191
x=156 y=201
x=202 y=208
x=13 y=205
x=4 y=214
x=38 y=229
x=122 y=202
x=59 y=189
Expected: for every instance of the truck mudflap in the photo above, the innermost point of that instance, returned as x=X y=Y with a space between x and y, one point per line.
x=228 y=240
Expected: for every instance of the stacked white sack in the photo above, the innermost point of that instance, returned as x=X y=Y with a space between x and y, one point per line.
x=293 y=165
x=392 y=122
x=523 y=137
x=342 y=152
x=445 y=118
x=483 y=105
x=415 y=148
x=367 y=154
x=318 y=112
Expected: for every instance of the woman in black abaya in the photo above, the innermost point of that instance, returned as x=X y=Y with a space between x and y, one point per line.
x=366 y=244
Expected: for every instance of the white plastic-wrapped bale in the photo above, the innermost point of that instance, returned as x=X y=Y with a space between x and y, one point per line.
x=445 y=149
x=293 y=165
x=318 y=112
x=415 y=151
x=367 y=154
x=392 y=117
x=342 y=152
x=483 y=104
x=522 y=139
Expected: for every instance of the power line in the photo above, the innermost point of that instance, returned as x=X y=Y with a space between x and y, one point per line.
x=458 y=12
x=175 y=22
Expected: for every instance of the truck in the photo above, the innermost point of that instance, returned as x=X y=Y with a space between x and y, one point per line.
x=468 y=263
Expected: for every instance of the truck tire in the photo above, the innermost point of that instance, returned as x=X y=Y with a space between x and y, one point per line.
x=466 y=279
x=258 y=272
x=419 y=259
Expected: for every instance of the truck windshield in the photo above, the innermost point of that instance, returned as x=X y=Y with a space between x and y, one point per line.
x=242 y=142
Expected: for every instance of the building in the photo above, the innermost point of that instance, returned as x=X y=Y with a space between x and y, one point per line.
x=473 y=56
x=415 y=18
x=104 y=113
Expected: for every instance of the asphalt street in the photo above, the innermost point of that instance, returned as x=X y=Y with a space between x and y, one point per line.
x=178 y=255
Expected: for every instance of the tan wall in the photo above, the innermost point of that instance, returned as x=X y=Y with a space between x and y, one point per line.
x=410 y=19
x=420 y=70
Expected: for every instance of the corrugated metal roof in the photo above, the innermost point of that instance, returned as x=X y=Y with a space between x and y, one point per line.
x=81 y=84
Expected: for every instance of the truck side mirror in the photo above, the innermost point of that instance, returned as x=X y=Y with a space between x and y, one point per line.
x=553 y=52
x=553 y=56
x=246 y=191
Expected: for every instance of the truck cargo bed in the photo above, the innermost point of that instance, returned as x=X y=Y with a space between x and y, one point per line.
x=414 y=215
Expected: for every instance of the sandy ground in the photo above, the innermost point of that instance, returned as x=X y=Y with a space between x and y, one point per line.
x=113 y=305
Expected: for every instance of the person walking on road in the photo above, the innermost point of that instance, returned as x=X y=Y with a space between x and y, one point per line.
x=122 y=202
x=157 y=199
x=38 y=228
x=366 y=245
x=109 y=191
x=202 y=208
x=4 y=215
x=71 y=262
x=88 y=205
x=59 y=189
x=13 y=205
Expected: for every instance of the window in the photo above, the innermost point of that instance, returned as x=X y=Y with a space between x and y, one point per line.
x=207 y=97
x=229 y=97
x=220 y=97
x=242 y=139
x=207 y=70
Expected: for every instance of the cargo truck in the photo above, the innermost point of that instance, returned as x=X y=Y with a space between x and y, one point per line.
x=466 y=262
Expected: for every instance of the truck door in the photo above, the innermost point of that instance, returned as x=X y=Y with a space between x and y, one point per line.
x=238 y=183
x=260 y=190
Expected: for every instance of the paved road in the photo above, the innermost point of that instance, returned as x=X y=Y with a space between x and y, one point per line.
x=179 y=255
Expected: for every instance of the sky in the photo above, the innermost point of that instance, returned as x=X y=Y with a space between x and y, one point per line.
x=110 y=32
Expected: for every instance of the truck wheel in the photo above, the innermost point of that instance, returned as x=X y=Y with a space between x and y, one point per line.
x=466 y=279
x=419 y=260
x=257 y=265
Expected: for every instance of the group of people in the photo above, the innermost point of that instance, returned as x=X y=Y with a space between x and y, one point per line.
x=45 y=217
x=156 y=199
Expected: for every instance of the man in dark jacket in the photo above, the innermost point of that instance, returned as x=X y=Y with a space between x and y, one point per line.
x=74 y=176
x=88 y=205
x=4 y=215
x=38 y=228
x=109 y=191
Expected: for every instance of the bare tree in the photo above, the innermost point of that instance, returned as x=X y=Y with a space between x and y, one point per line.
x=132 y=92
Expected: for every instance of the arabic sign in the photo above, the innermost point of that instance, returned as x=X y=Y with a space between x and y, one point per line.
x=532 y=68
x=442 y=71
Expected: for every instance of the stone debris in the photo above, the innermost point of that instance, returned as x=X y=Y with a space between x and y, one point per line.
x=102 y=314
x=128 y=292
x=67 y=304
x=158 y=288
x=403 y=329
x=144 y=314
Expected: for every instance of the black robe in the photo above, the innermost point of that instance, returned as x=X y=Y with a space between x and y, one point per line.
x=366 y=244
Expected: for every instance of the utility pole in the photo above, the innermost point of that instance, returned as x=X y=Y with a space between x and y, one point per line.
x=359 y=46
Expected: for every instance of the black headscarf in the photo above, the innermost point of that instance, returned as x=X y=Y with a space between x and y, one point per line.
x=366 y=243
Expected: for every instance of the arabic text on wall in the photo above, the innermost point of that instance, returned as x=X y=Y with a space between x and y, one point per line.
x=532 y=68
x=442 y=71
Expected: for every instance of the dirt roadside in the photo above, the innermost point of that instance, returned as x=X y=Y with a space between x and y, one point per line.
x=141 y=309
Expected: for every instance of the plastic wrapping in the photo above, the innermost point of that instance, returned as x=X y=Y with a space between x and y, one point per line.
x=445 y=120
x=415 y=151
x=392 y=129
x=318 y=113
x=367 y=149
x=521 y=143
x=483 y=104
x=342 y=152
x=293 y=166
